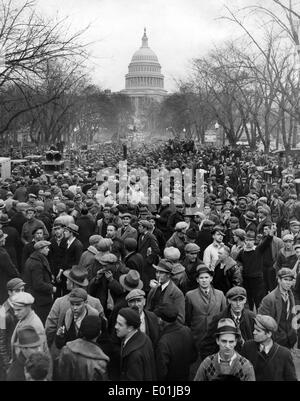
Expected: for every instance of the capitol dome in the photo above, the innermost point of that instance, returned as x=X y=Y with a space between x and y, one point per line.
x=144 y=78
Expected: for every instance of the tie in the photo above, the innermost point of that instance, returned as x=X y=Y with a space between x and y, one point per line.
x=156 y=297
x=122 y=230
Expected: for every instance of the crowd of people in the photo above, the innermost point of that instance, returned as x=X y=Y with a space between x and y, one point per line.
x=94 y=289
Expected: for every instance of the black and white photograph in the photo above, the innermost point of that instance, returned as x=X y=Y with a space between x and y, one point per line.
x=149 y=193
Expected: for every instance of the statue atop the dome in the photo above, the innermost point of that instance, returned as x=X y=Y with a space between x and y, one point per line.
x=145 y=39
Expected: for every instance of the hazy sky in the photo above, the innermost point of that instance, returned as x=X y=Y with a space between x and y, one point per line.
x=178 y=30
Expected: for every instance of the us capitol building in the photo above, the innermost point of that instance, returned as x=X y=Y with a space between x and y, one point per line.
x=144 y=82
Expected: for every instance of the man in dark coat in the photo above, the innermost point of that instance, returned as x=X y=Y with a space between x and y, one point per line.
x=13 y=243
x=280 y=304
x=118 y=244
x=86 y=228
x=149 y=321
x=242 y=317
x=73 y=253
x=39 y=279
x=271 y=361
x=7 y=269
x=175 y=350
x=149 y=249
x=19 y=218
x=137 y=355
x=175 y=217
x=162 y=217
x=133 y=259
x=28 y=249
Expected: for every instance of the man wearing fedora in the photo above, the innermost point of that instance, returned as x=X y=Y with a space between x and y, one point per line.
x=227 y=362
x=149 y=321
x=165 y=290
x=202 y=304
x=39 y=279
x=57 y=253
x=271 y=361
x=73 y=253
x=28 y=342
x=7 y=268
x=126 y=231
x=242 y=317
x=280 y=304
x=8 y=322
x=76 y=278
x=13 y=243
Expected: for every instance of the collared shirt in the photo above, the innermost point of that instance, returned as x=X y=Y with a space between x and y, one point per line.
x=79 y=321
x=143 y=323
x=70 y=242
x=164 y=286
x=266 y=348
x=211 y=255
x=129 y=337
x=220 y=360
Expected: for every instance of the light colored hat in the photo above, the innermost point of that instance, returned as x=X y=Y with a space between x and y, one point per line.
x=41 y=244
x=226 y=326
x=266 y=323
x=181 y=225
x=172 y=253
x=287 y=237
x=134 y=294
x=22 y=299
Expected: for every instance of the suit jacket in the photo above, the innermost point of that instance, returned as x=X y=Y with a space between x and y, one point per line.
x=135 y=261
x=152 y=327
x=271 y=305
x=129 y=232
x=148 y=241
x=199 y=312
x=73 y=254
x=173 y=295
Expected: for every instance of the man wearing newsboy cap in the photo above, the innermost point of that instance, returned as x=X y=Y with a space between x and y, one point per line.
x=271 y=361
x=226 y=362
x=280 y=304
x=242 y=317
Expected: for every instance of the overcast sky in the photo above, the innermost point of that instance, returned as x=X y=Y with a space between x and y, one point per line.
x=178 y=30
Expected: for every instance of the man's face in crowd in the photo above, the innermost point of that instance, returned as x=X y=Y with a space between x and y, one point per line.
x=89 y=194
x=28 y=350
x=58 y=231
x=67 y=234
x=56 y=200
x=285 y=283
x=204 y=280
x=111 y=232
x=294 y=228
x=297 y=251
x=288 y=245
x=162 y=277
x=125 y=221
x=233 y=225
x=142 y=229
x=259 y=334
x=122 y=330
x=45 y=250
x=237 y=305
x=267 y=231
x=249 y=243
x=218 y=237
x=77 y=307
x=13 y=292
x=191 y=256
x=138 y=303
x=207 y=210
x=107 y=214
x=30 y=214
x=39 y=235
x=227 y=343
x=22 y=311
x=179 y=208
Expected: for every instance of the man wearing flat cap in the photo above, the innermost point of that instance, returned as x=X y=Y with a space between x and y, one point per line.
x=202 y=304
x=175 y=350
x=149 y=322
x=31 y=224
x=226 y=361
x=149 y=249
x=211 y=253
x=137 y=355
x=271 y=361
x=165 y=290
x=242 y=317
x=8 y=323
x=178 y=238
x=39 y=279
x=280 y=304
